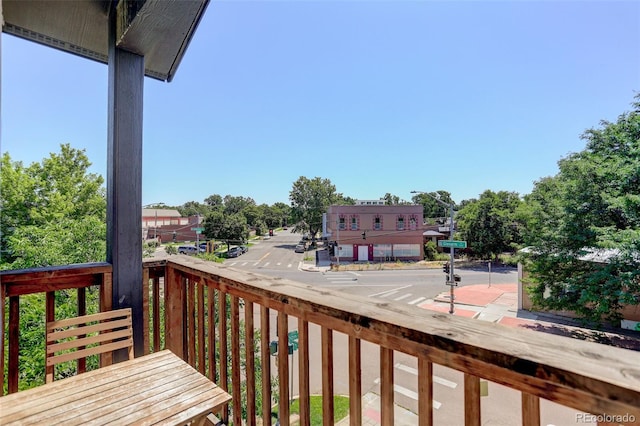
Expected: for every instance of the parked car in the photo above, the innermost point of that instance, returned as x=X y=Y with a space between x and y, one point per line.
x=187 y=249
x=234 y=252
x=244 y=249
x=300 y=248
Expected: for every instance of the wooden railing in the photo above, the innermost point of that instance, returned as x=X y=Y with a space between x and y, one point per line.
x=205 y=313
x=17 y=284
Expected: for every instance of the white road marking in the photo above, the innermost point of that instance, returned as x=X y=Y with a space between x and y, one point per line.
x=389 y=293
x=418 y=300
x=393 y=291
x=289 y=266
x=404 y=296
x=436 y=379
x=409 y=393
x=267 y=264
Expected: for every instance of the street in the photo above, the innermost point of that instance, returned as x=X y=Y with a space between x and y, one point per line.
x=276 y=257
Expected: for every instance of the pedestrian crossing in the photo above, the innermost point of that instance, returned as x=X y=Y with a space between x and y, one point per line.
x=411 y=374
x=260 y=264
x=341 y=277
x=397 y=295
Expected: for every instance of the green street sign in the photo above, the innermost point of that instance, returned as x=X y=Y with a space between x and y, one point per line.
x=452 y=243
x=293 y=340
x=198 y=230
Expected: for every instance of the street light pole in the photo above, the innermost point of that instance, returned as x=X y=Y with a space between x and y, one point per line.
x=450 y=276
x=338 y=241
x=451 y=281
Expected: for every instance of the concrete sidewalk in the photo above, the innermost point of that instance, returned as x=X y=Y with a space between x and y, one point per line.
x=495 y=303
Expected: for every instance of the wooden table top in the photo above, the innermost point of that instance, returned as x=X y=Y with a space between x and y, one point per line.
x=155 y=389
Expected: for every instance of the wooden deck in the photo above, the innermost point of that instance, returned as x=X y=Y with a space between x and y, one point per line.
x=186 y=297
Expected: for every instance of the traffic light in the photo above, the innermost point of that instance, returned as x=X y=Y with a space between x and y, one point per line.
x=445 y=268
x=364 y=235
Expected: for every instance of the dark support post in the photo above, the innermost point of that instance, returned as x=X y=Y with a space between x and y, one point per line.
x=124 y=181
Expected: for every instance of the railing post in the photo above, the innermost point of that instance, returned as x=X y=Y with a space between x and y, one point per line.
x=235 y=360
x=386 y=386
x=283 y=368
x=355 y=382
x=471 y=400
x=265 y=338
x=2 y=313
x=145 y=310
x=327 y=376
x=303 y=372
x=250 y=363
x=530 y=410
x=175 y=312
x=425 y=392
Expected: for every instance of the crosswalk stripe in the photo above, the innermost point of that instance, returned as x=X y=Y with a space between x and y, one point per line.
x=436 y=379
x=418 y=300
x=409 y=393
x=404 y=296
x=389 y=293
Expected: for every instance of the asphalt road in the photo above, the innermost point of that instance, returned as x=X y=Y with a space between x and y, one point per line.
x=276 y=257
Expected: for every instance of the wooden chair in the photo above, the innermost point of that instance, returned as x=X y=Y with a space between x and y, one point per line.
x=77 y=338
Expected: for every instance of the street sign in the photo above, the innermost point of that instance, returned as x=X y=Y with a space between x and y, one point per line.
x=452 y=243
x=293 y=339
x=198 y=230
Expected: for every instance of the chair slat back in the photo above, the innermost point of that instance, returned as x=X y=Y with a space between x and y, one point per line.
x=79 y=337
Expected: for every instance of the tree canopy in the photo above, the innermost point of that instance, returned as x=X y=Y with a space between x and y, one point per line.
x=489 y=224
x=433 y=209
x=310 y=198
x=53 y=212
x=585 y=249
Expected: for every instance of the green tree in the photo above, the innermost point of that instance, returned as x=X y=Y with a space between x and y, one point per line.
x=283 y=212
x=489 y=224
x=231 y=228
x=193 y=208
x=393 y=200
x=432 y=209
x=53 y=212
x=234 y=204
x=310 y=198
x=586 y=258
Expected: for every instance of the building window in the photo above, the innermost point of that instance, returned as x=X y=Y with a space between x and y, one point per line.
x=354 y=223
x=406 y=250
x=412 y=223
x=400 y=223
x=342 y=223
x=377 y=223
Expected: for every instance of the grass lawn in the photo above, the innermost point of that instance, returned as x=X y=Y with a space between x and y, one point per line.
x=340 y=408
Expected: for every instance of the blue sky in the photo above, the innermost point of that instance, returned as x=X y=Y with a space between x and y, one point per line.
x=377 y=96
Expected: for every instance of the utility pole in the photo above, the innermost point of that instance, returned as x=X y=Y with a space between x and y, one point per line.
x=338 y=242
x=451 y=282
x=451 y=279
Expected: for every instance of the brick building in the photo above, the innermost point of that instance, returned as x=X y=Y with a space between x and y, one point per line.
x=369 y=231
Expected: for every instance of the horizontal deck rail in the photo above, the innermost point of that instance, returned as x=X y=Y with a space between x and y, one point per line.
x=205 y=313
x=49 y=280
x=585 y=376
